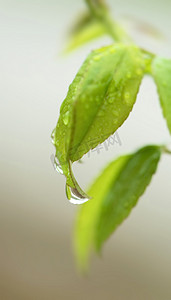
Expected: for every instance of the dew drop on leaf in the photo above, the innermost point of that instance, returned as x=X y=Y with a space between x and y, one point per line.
x=66 y=118
x=57 y=166
x=126 y=95
x=111 y=99
x=74 y=197
x=53 y=136
x=127 y=98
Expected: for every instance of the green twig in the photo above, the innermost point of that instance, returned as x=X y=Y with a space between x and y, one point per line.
x=100 y=11
x=166 y=150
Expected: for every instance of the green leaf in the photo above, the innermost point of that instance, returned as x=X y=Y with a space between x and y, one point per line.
x=114 y=193
x=88 y=214
x=85 y=30
x=161 y=71
x=98 y=102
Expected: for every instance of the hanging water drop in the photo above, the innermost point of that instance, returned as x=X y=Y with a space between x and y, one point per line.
x=53 y=136
x=57 y=166
x=74 y=196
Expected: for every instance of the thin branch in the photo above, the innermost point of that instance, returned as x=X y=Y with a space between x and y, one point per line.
x=100 y=11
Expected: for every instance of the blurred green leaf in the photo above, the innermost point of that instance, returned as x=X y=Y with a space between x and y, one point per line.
x=114 y=193
x=161 y=71
x=85 y=30
x=88 y=214
x=98 y=102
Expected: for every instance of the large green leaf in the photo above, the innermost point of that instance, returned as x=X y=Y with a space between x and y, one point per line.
x=114 y=193
x=98 y=102
x=161 y=70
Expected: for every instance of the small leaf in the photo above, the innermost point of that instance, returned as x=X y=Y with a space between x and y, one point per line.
x=161 y=71
x=85 y=30
x=98 y=102
x=114 y=193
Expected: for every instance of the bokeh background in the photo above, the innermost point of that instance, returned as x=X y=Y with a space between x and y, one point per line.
x=36 y=220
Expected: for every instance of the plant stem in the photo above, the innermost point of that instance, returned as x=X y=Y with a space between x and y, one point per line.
x=166 y=150
x=100 y=11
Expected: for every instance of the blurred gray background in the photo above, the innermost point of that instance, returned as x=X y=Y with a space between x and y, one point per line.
x=36 y=220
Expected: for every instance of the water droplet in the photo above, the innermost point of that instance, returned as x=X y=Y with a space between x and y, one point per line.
x=57 y=166
x=111 y=99
x=53 y=136
x=127 y=98
x=74 y=196
x=126 y=95
x=66 y=118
